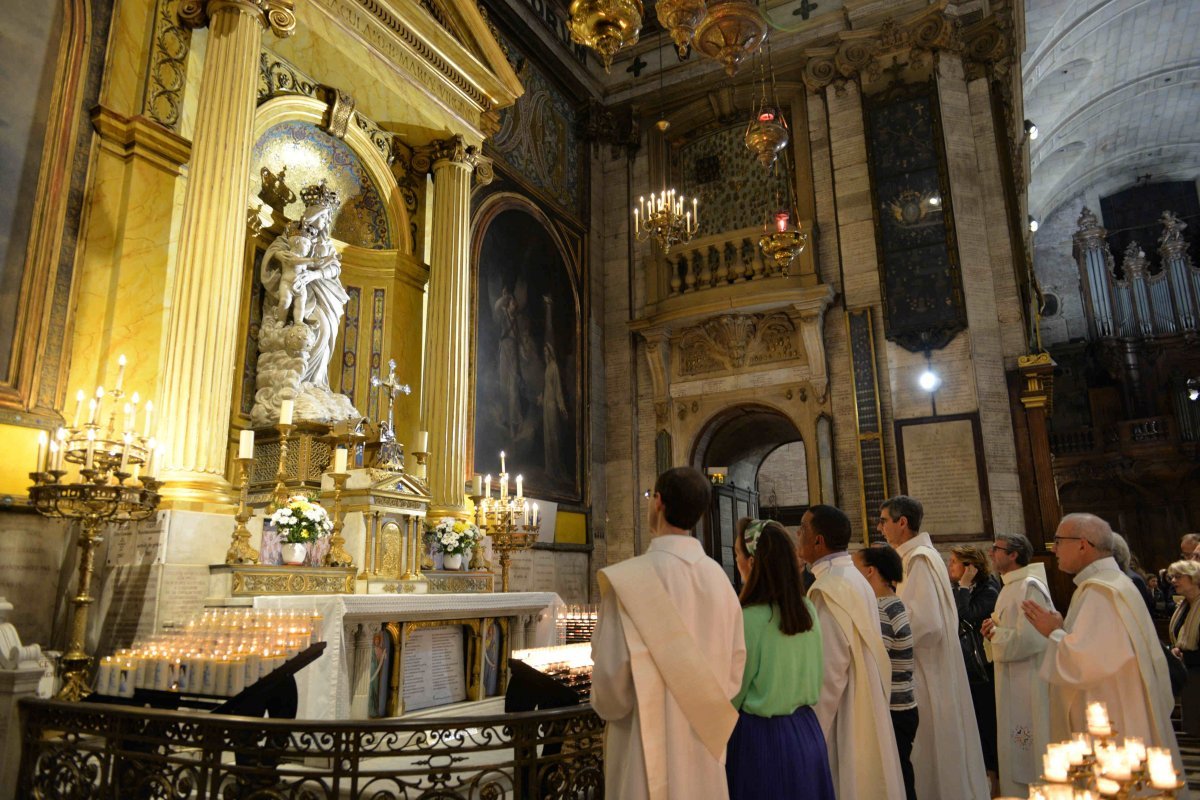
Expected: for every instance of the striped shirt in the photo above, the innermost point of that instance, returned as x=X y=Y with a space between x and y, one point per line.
x=897 y=637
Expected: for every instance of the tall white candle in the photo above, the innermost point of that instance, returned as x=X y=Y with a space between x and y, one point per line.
x=476 y=485
x=91 y=448
x=535 y=515
x=246 y=444
x=502 y=470
x=487 y=485
x=422 y=442
x=286 y=409
x=339 y=460
x=43 y=440
x=98 y=412
x=78 y=408
x=52 y=456
x=120 y=371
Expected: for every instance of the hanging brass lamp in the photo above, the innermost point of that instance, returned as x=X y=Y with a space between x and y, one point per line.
x=732 y=30
x=781 y=243
x=681 y=18
x=606 y=26
x=766 y=134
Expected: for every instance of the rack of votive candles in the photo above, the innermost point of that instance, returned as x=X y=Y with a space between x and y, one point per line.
x=220 y=653
x=1097 y=765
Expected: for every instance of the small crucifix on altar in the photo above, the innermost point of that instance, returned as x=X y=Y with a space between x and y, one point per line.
x=391 y=455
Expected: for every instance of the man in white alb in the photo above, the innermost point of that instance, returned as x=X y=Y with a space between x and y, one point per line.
x=669 y=652
x=1107 y=649
x=947 y=757
x=854 y=709
x=1022 y=702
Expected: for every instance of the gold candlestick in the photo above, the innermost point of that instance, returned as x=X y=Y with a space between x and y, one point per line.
x=337 y=555
x=240 y=551
x=507 y=538
x=280 y=497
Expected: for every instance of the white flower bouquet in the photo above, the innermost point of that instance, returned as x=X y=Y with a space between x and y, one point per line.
x=456 y=537
x=301 y=520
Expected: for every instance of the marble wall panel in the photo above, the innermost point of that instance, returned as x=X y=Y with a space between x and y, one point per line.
x=37 y=575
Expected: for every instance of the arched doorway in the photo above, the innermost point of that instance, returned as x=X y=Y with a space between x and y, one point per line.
x=740 y=442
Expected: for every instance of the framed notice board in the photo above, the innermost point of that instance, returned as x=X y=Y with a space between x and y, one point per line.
x=941 y=464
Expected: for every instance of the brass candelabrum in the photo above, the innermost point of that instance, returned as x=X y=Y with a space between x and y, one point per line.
x=337 y=555
x=240 y=551
x=279 y=497
x=508 y=522
x=109 y=488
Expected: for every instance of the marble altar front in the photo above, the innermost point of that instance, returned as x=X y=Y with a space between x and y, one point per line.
x=336 y=686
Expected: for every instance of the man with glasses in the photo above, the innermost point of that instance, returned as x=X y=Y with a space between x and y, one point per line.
x=1107 y=651
x=1189 y=547
x=668 y=651
x=1016 y=648
x=947 y=756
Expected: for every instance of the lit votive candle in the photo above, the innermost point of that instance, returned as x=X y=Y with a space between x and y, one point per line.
x=1054 y=765
x=1097 y=720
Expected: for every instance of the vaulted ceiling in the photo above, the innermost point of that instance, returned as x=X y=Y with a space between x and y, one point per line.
x=1114 y=88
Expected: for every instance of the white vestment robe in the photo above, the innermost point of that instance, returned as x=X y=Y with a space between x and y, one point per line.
x=947 y=757
x=1108 y=651
x=709 y=609
x=856 y=692
x=1022 y=695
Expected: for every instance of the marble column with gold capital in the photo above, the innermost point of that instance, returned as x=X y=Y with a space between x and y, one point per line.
x=446 y=385
x=202 y=332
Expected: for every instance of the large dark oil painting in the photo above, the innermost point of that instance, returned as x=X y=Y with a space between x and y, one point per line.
x=527 y=357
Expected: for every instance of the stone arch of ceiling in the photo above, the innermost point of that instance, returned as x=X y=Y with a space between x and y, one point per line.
x=1129 y=92
x=741 y=437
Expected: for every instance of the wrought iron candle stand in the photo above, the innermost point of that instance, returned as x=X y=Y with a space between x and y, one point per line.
x=240 y=551
x=108 y=489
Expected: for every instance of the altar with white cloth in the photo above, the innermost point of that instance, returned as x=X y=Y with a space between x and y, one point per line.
x=337 y=685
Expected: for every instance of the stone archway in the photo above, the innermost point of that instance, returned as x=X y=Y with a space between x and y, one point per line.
x=739 y=439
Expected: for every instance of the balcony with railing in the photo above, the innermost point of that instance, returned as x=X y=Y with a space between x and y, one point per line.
x=727 y=270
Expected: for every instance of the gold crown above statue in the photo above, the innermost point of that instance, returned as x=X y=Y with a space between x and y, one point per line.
x=275 y=192
x=320 y=195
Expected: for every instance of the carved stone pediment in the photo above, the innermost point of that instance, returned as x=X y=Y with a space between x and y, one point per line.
x=734 y=341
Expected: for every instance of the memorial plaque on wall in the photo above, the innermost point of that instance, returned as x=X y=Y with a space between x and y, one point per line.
x=914 y=223
x=433 y=664
x=941 y=464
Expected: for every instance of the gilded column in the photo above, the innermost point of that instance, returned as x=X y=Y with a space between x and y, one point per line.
x=201 y=335
x=446 y=385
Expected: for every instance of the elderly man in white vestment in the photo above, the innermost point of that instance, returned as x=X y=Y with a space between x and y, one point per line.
x=854 y=708
x=669 y=652
x=947 y=757
x=1107 y=650
x=1022 y=699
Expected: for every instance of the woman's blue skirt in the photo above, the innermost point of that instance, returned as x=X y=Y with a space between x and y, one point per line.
x=778 y=757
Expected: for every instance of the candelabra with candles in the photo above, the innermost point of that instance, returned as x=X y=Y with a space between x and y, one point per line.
x=285 y=427
x=337 y=555
x=1094 y=765
x=115 y=483
x=666 y=219
x=511 y=521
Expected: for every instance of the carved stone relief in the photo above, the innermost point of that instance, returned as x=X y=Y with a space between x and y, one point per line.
x=734 y=341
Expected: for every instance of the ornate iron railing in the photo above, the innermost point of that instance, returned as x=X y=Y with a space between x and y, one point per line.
x=72 y=751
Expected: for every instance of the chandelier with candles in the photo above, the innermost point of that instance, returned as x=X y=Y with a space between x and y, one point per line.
x=666 y=218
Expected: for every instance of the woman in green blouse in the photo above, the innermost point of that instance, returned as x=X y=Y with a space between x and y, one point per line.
x=777 y=748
